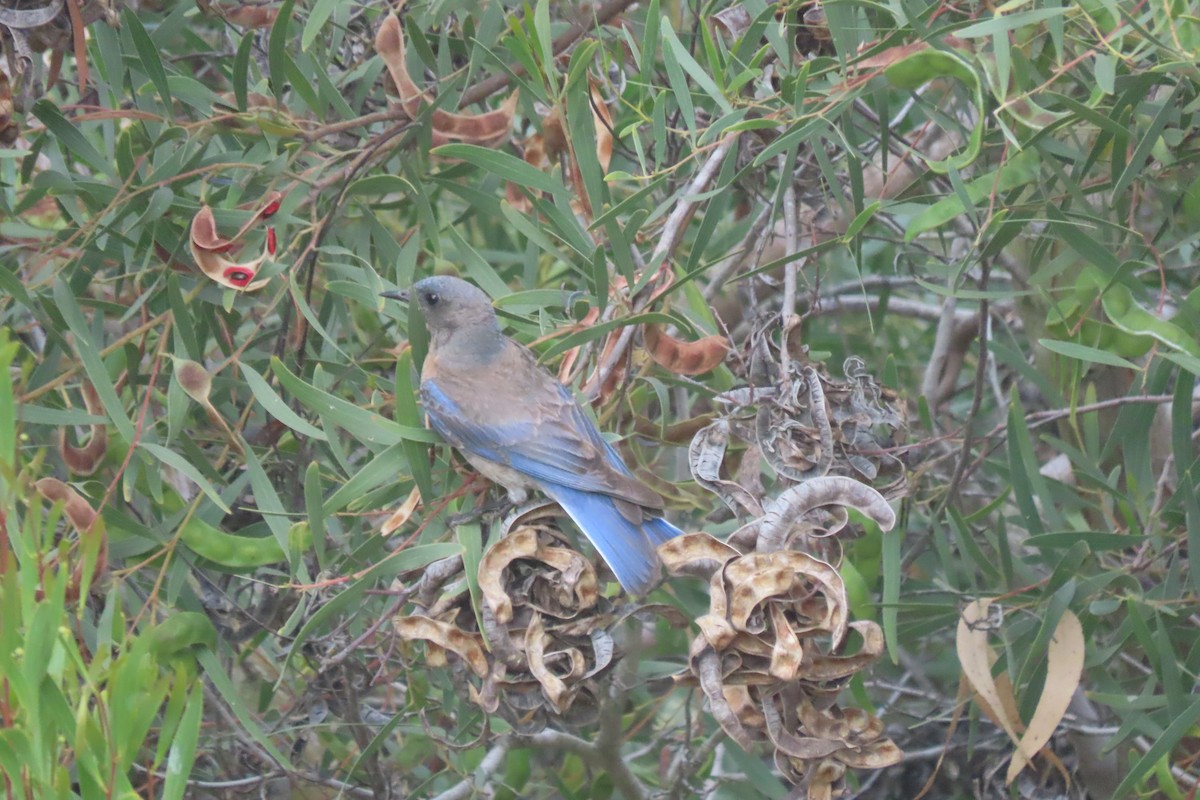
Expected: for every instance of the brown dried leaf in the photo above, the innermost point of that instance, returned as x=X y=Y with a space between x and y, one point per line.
x=877 y=755
x=698 y=554
x=748 y=591
x=443 y=636
x=76 y=508
x=521 y=543
x=580 y=587
x=787 y=654
x=796 y=502
x=489 y=129
x=705 y=456
x=823 y=668
x=248 y=16
x=553 y=687
x=86 y=460
x=707 y=666
x=684 y=358
x=803 y=747
x=716 y=630
x=825 y=779
x=506 y=642
x=743 y=704
x=833 y=604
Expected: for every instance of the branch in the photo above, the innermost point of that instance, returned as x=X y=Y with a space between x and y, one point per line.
x=682 y=213
x=490 y=764
x=672 y=231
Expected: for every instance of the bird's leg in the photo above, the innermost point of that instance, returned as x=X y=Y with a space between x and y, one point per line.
x=495 y=508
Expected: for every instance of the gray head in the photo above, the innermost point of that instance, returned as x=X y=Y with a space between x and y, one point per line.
x=456 y=311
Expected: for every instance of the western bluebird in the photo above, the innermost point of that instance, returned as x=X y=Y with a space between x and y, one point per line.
x=486 y=395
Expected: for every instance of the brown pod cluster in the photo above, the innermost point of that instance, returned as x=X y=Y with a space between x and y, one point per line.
x=777 y=645
x=541 y=639
x=773 y=654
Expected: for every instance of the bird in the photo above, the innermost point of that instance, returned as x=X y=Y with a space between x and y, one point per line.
x=487 y=396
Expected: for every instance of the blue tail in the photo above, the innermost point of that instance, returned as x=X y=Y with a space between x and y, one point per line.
x=628 y=549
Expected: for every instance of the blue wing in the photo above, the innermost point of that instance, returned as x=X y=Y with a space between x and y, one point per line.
x=563 y=448
x=560 y=448
x=627 y=548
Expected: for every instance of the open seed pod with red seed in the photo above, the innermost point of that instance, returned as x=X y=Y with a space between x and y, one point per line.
x=209 y=248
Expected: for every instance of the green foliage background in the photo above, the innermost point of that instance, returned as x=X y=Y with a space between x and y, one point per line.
x=1058 y=222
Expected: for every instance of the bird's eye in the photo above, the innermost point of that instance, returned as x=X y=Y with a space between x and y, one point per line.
x=432 y=299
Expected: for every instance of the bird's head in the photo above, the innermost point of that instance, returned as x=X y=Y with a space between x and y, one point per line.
x=453 y=309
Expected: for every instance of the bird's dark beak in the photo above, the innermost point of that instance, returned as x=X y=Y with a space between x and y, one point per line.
x=399 y=294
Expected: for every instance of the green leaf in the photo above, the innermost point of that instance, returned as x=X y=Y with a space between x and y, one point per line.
x=182 y=754
x=314 y=511
x=277 y=44
x=93 y=364
x=241 y=70
x=367 y=426
x=8 y=417
x=1181 y=723
x=380 y=185
x=274 y=405
x=1018 y=171
x=924 y=66
x=502 y=164
x=1082 y=352
x=1004 y=23
x=214 y=671
x=406 y=560
x=680 y=92
x=69 y=138
x=409 y=414
x=470 y=538
x=317 y=17
x=693 y=68
x=178 y=462
x=148 y=55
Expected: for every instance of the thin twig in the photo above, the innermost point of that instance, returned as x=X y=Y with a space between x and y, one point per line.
x=981 y=371
x=752 y=243
x=787 y=314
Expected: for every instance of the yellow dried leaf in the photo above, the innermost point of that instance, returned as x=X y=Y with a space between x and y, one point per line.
x=974 y=655
x=402 y=514
x=1064 y=666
